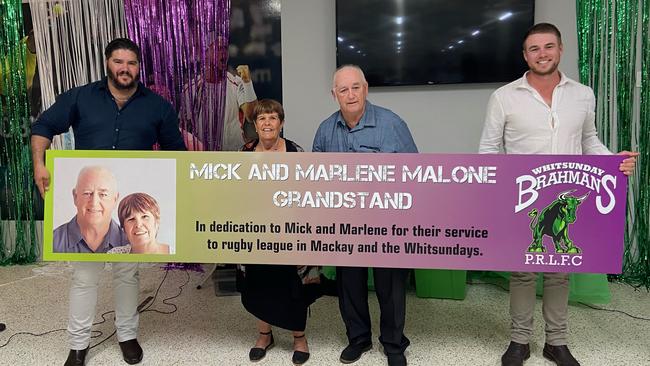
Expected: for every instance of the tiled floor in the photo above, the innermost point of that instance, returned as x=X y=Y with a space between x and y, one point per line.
x=210 y=330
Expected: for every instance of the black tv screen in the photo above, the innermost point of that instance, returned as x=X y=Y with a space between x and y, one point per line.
x=424 y=42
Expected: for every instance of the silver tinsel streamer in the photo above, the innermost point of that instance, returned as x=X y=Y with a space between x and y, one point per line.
x=70 y=40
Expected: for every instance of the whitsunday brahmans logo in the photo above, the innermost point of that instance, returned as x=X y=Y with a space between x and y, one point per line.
x=580 y=174
x=556 y=218
x=554 y=221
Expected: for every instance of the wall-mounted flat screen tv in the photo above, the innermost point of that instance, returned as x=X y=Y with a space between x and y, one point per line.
x=425 y=42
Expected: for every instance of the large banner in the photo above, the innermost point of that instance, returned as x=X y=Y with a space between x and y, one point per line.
x=542 y=213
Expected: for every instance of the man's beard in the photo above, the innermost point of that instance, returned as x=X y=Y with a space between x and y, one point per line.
x=116 y=82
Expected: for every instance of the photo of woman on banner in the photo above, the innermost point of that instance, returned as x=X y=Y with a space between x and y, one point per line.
x=139 y=216
x=277 y=295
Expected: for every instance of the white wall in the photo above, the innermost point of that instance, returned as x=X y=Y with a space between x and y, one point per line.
x=445 y=118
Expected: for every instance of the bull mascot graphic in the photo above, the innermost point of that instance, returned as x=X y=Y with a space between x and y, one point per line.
x=554 y=221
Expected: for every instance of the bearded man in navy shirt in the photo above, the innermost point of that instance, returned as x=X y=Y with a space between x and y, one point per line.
x=115 y=113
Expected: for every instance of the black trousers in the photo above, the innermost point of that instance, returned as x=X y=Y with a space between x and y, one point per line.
x=390 y=287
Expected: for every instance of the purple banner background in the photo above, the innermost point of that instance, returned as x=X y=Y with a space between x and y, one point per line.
x=443 y=205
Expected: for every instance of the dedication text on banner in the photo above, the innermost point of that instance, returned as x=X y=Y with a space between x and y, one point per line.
x=541 y=213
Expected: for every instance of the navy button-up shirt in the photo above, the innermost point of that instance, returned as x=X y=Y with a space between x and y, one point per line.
x=378 y=130
x=98 y=123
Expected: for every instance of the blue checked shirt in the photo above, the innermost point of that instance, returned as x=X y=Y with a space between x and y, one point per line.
x=379 y=130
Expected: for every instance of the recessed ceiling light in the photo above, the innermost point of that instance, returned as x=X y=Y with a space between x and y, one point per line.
x=505 y=16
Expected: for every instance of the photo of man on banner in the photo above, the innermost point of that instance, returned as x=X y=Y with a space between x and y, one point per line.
x=92 y=229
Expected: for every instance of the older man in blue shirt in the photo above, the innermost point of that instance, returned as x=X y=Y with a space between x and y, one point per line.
x=360 y=126
x=115 y=113
x=92 y=229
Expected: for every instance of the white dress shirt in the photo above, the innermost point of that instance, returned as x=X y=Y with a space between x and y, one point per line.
x=518 y=120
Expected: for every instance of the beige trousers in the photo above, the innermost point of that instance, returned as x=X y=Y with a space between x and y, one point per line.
x=555 y=303
x=83 y=301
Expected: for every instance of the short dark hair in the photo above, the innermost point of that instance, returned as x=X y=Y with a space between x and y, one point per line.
x=122 y=44
x=267 y=106
x=137 y=202
x=542 y=28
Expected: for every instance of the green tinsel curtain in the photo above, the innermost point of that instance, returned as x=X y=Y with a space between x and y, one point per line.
x=638 y=267
x=609 y=33
x=18 y=240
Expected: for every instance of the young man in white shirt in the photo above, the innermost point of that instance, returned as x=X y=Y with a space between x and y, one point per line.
x=543 y=112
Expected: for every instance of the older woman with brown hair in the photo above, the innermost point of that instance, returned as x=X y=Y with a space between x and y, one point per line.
x=139 y=216
x=277 y=295
x=268 y=117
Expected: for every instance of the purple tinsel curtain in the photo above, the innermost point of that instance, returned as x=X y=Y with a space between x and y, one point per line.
x=184 y=58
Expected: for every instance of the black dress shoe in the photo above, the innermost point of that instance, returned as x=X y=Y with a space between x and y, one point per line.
x=299 y=357
x=560 y=355
x=353 y=352
x=396 y=359
x=131 y=351
x=76 y=357
x=516 y=354
x=256 y=353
